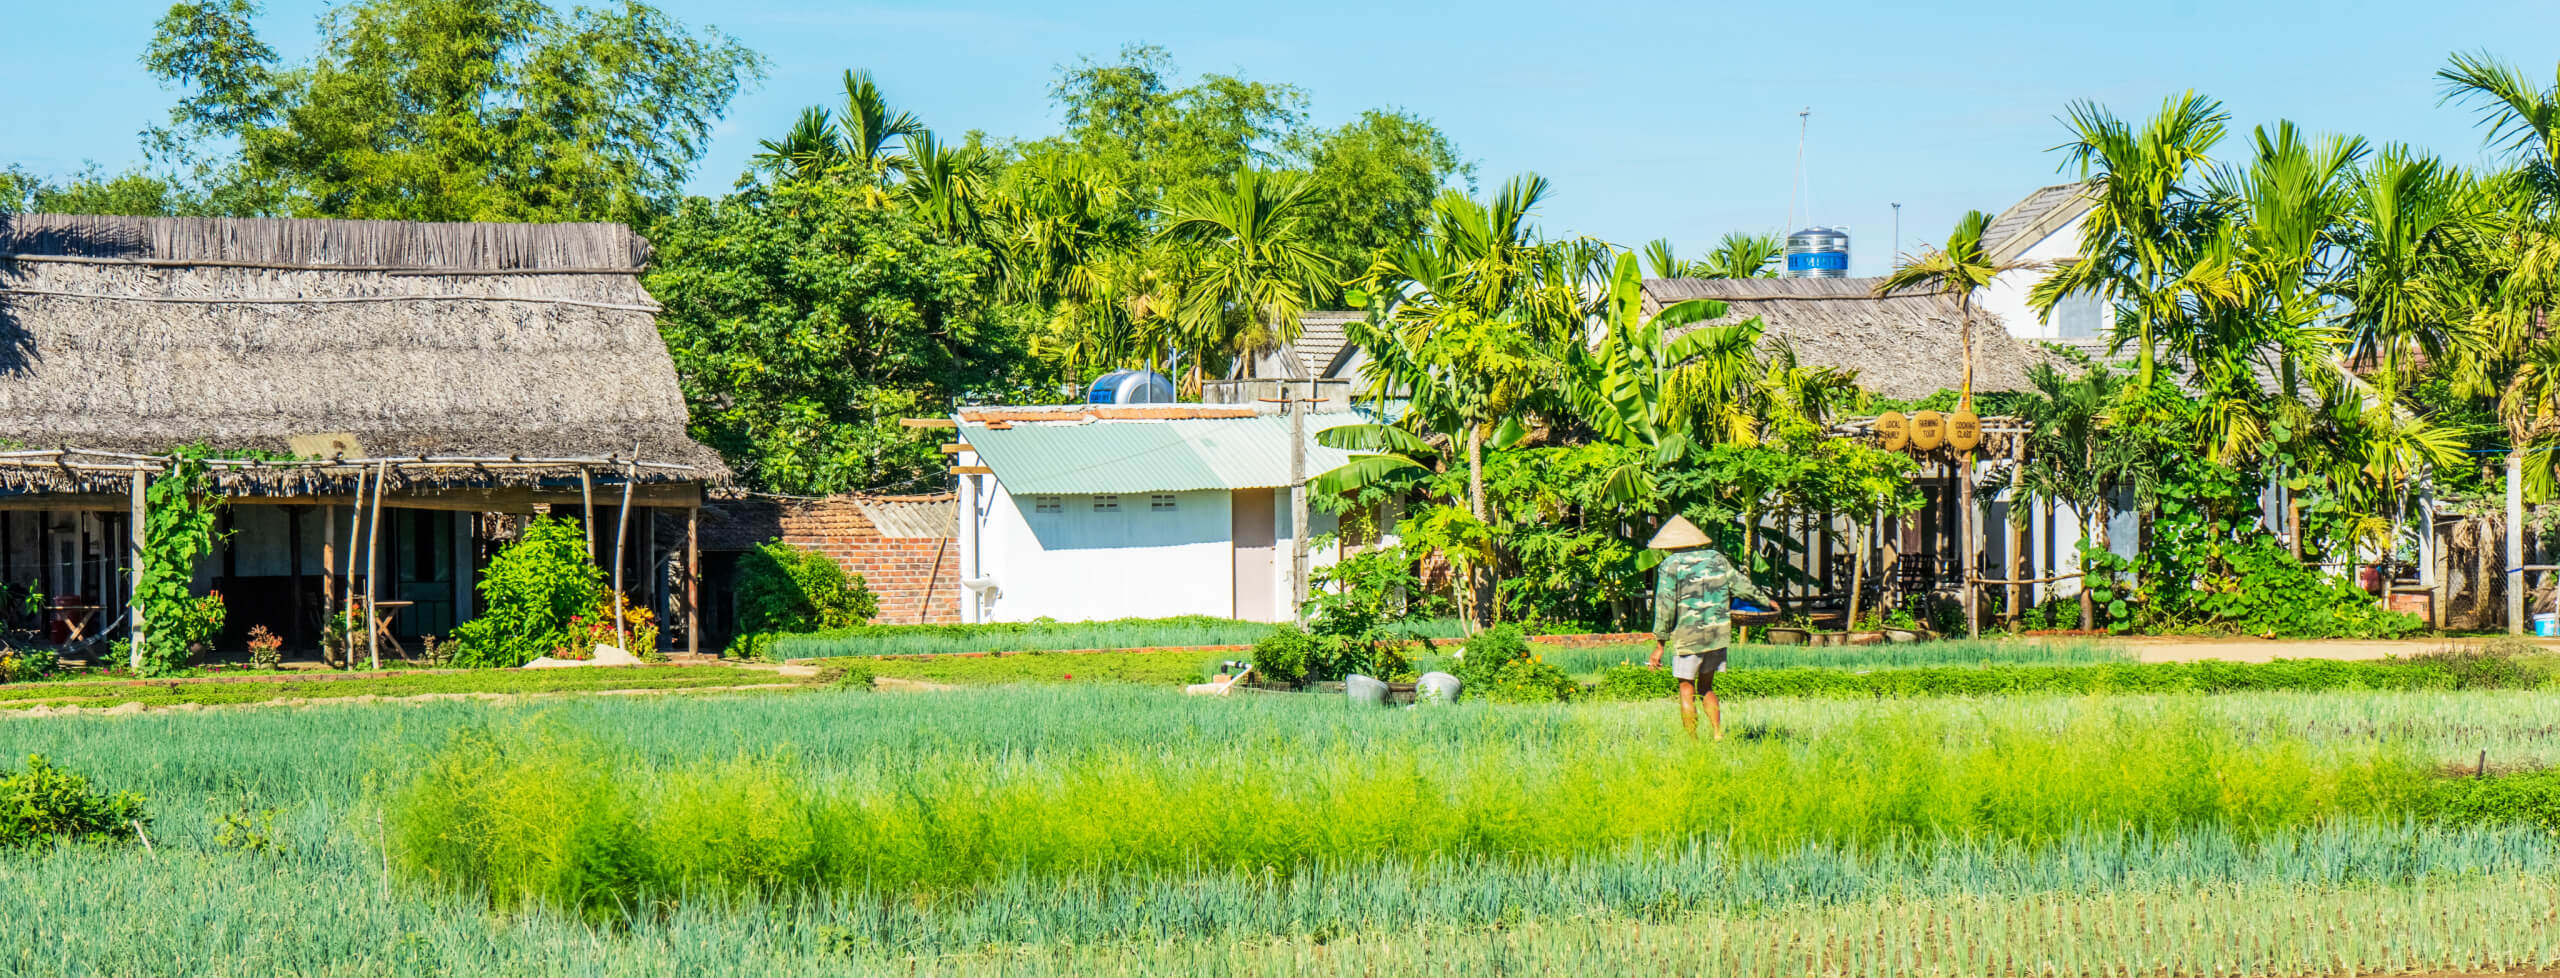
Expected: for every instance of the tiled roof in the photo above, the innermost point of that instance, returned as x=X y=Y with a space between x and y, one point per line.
x=1106 y=456
x=2034 y=219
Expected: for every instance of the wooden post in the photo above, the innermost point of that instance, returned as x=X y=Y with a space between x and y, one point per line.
x=329 y=566
x=1964 y=542
x=133 y=584
x=1296 y=500
x=2020 y=567
x=293 y=569
x=373 y=568
x=693 y=580
x=621 y=528
x=587 y=510
x=2516 y=576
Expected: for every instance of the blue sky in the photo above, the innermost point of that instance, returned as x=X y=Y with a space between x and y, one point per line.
x=1672 y=119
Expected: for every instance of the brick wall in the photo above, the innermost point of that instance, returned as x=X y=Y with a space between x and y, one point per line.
x=917 y=579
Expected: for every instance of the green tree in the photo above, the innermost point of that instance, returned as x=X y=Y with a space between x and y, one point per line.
x=1258 y=269
x=1169 y=143
x=1370 y=187
x=441 y=110
x=805 y=321
x=1955 y=271
x=2138 y=240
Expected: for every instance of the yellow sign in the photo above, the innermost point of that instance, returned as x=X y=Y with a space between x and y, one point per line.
x=1894 y=429
x=1928 y=430
x=1964 y=430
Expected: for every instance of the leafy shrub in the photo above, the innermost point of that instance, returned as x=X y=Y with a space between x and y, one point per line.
x=782 y=588
x=1487 y=652
x=266 y=648
x=45 y=802
x=2531 y=798
x=249 y=830
x=533 y=589
x=2210 y=676
x=1629 y=682
x=18 y=665
x=2252 y=587
x=1285 y=655
x=178 y=527
x=2496 y=664
x=1530 y=680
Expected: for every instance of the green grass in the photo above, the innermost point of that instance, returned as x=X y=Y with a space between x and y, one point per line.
x=1589 y=662
x=1153 y=668
x=306 y=685
x=2339 y=893
x=1130 y=633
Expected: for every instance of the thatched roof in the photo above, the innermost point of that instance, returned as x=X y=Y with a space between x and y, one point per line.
x=1905 y=347
x=481 y=340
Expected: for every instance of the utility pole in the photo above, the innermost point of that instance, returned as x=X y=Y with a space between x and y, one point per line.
x=1297 y=409
x=2516 y=576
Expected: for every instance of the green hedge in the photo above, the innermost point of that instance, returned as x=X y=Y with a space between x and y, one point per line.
x=1634 y=682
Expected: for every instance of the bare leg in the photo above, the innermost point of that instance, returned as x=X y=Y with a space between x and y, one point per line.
x=1689 y=707
x=1715 y=713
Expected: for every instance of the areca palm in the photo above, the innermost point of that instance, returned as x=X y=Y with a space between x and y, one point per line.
x=867 y=123
x=2148 y=219
x=1954 y=270
x=947 y=185
x=809 y=150
x=1259 y=264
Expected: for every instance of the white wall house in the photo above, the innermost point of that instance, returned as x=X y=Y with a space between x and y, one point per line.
x=1088 y=512
x=2043 y=228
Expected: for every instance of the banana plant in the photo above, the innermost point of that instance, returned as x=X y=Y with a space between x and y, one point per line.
x=1643 y=388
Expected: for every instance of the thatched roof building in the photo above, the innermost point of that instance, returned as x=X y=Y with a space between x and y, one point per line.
x=1905 y=346
x=486 y=346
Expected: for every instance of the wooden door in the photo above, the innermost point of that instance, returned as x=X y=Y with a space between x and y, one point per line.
x=1256 y=542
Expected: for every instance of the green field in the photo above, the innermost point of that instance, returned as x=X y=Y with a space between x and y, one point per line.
x=78 y=692
x=1120 y=829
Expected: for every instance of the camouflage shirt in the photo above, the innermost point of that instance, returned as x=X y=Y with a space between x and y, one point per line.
x=1692 y=595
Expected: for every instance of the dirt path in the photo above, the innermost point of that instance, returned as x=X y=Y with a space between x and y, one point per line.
x=2175 y=649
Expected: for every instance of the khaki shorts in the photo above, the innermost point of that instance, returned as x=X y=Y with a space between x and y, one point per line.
x=1690 y=667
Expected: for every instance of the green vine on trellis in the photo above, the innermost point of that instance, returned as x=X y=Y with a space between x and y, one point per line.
x=178 y=528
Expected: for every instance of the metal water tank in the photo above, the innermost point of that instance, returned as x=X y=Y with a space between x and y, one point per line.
x=1818 y=252
x=1130 y=387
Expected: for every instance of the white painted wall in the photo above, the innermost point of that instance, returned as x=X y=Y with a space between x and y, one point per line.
x=2005 y=298
x=1081 y=565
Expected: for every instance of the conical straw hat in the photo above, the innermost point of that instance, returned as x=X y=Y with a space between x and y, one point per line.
x=1678 y=534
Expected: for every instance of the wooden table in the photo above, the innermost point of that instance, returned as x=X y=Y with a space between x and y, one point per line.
x=76 y=628
x=385 y=612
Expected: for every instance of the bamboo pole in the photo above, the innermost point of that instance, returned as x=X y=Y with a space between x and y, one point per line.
x=1964 y=542
x=621 y=530
x=2516 y=576
x=587 y=510
x=133 y=588
x=329 y=565
x=373 y=570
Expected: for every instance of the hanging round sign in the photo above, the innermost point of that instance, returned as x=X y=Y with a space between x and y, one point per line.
x=1928 y=430
x=1964 y=430
x=1894 y=429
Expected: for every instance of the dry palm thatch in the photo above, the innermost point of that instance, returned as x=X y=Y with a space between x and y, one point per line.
x=1904 y=347
x=491 y=341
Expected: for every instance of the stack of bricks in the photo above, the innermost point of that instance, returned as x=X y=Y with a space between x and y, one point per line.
x=917 y=579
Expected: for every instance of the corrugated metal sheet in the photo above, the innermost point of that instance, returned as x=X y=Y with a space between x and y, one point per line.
x=1150 y=456
x=912 y=518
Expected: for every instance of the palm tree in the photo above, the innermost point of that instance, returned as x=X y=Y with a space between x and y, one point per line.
x=2137 y=241
x=1739 y=255
x=1259 y=264
x=1955 y=270
x=809 y=150
x=947 y=185
x=866 y=124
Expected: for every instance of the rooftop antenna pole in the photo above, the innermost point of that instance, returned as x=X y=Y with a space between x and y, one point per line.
x=1897 y=235
x=1804 y=122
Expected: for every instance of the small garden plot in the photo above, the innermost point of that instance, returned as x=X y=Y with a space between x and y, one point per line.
x=1117 y=829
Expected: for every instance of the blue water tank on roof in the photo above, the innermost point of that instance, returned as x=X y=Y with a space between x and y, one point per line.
x=1130 y=387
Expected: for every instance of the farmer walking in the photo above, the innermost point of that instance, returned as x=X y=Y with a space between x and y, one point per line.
x=1692 y=592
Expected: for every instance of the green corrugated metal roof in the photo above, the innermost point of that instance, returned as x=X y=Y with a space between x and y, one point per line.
x=1150 y=456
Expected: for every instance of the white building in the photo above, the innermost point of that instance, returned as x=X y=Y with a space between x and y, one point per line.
x=2045 y=229
x=1093 y=512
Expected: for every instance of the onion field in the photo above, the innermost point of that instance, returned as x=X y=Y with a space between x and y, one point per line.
x=1121 y=829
